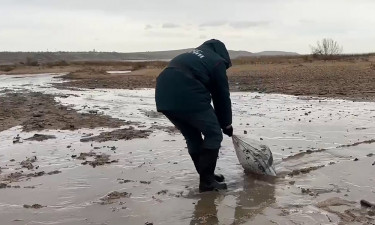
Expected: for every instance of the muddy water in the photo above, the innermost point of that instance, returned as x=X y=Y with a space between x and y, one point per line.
x=324 y=145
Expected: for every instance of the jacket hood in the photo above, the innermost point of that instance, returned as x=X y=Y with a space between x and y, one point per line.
x=219 y=48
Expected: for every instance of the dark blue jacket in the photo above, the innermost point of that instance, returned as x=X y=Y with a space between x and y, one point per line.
x=192 y=79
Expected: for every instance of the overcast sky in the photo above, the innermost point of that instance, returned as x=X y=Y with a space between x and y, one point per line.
x=149 y=25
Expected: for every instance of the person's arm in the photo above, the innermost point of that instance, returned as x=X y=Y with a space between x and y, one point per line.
x=221 y=96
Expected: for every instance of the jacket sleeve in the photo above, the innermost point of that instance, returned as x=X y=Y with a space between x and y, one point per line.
x=221 y=96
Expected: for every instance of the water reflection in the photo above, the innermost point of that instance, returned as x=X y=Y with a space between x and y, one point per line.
x=257 y=193
x=205 y=211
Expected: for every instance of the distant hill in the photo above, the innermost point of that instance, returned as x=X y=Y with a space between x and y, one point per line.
x=274 y=53
x=18 y=57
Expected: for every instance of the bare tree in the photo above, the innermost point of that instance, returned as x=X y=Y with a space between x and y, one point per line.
x=326 y=47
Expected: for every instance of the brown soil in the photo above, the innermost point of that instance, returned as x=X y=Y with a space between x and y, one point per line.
x=37 y=111
x=340 y=79
x=354 y=80
x=70 y=67
x=120 y=134
x=96 y=78
x=348 y=79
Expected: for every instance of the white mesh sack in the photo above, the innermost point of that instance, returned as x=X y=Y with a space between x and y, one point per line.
x=254 y=156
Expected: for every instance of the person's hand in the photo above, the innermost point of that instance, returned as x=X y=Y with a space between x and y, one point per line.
x=228 y=130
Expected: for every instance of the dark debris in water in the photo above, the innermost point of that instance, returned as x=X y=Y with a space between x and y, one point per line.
x=40 y=137
x=17 y=176
x=120 y=134
x=145 y=182
x=34 y=206
x=4 y=185
x=304 y=170
x=367 y=204
x=162 y=192
x=168 y=129
x=54 y=172
x=84 y=155
x=109 y=198
x=124 y=181
x=357 y=143
x=17 y=139
x=97 y=159
x=28 y=163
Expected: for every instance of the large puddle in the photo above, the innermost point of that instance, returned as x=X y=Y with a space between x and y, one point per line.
x=322 y=150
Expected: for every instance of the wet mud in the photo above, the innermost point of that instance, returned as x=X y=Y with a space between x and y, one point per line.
x=147 y=177
x=347 y=211
x=35 y=111
x=120 y=134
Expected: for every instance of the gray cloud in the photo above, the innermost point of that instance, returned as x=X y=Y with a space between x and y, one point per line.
x=213 y=24
x=166 y=35
x=170 y=25
x=247 y=24
x=142 y=25
x=234 y=24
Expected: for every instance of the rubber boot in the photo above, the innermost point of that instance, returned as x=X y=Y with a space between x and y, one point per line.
x=207 y=163
x=195 y=158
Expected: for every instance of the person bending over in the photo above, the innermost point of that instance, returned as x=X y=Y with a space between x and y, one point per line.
x=184 y=91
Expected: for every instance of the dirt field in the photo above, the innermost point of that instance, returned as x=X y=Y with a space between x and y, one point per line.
x=349 y=79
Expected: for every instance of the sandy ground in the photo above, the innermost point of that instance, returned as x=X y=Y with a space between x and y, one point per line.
x=123 y=163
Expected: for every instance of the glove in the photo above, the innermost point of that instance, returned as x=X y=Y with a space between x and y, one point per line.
x=228 y=130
